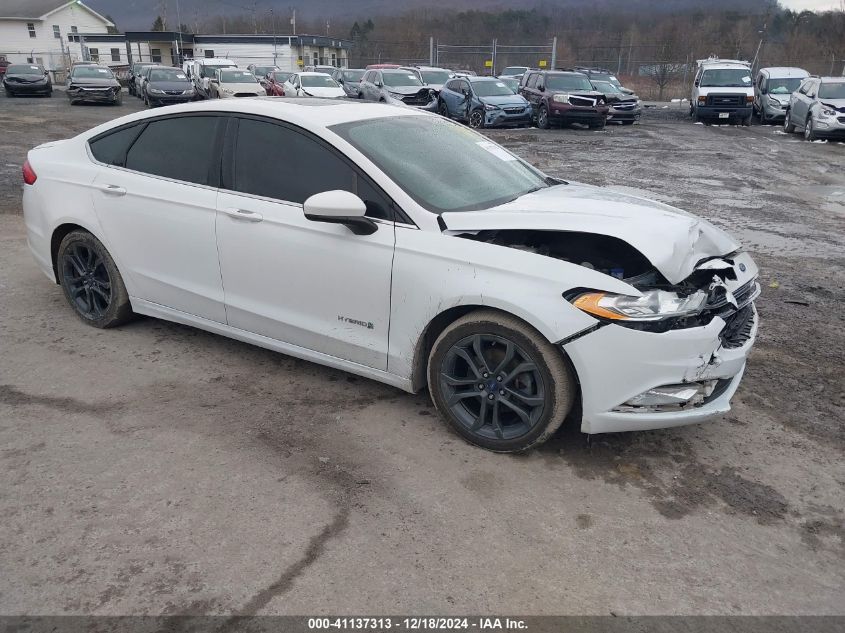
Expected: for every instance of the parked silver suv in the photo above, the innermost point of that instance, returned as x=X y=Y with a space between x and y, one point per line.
x=818 y=107
x=772 y=89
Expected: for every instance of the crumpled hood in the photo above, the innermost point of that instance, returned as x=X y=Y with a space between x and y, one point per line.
x=406 y=90
x=505 y=101
x=836 y=104
x=672 y=240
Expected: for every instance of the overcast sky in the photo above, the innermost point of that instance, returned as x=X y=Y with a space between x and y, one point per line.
x=812 y=5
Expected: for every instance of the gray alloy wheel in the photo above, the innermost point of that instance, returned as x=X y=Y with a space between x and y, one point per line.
x=91 y=282
x=476 y=118
x=788 y=126
x=809 y=132
x=498 y=382
x=543 y=118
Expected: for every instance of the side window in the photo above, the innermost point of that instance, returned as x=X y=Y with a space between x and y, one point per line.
x=181 y=148
x=532 y=80
x=260 y=168
x=277 y=162
x=803 y=87
x=111 y=149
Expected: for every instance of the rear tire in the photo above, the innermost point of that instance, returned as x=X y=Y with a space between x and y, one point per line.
x=526 y=394
x=91 y=282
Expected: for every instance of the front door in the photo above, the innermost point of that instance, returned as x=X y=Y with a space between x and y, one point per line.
x=310 y=284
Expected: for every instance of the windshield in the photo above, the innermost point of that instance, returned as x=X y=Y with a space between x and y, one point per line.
x=470 y=173
x=91 y=72
x=401 y=79
x=491 y=89
x=318 y=81
x=568 y=82
x=513 y=84
x=783 y=86
x=833 y=90
x=24 y=69
x=167 y=74
x=726 y=78
x=237 y=77
x=208 y=71
x=514 y=70
x=261 y=71
x=437 y=77
x=605 y=86
x=353 y=75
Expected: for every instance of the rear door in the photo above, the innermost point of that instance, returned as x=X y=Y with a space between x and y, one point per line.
x=155 y=198
x=311 y=284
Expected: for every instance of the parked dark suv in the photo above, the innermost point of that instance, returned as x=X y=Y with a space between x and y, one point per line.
x=563 y=97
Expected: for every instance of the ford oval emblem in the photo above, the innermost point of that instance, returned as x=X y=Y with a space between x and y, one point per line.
x=742 y=267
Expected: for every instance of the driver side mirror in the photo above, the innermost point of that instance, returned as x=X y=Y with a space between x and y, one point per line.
x=541 y=88
x=340 y=207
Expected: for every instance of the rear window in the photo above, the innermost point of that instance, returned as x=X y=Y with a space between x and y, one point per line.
x=111 y=148
x=181 y=148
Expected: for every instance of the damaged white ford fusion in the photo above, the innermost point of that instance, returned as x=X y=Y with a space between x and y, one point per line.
x=403 y=247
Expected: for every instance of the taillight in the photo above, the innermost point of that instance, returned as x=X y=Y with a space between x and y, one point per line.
x=29 y=176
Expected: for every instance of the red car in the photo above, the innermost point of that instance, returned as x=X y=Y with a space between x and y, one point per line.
x=273 y=82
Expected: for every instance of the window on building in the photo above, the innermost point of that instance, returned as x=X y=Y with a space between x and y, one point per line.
x=94 y=54
x=30 y=26
x=334 y=59
x=73 y=29
x=115 y=54
x=155 y=55
x=316 y=59
x=209 y=53
x=56 y=32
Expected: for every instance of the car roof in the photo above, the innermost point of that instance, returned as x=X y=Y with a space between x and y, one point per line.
x=477 y=79
x=311 y=73
x=307 y=112
x=832 y=80
x=784 y=72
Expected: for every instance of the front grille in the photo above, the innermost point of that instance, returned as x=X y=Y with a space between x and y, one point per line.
x=514 y=110
x=419 y=99
x=584 y=102
x=625 y=105
x=744 y=295
x=738 y=328
x=731 y=101
x=173 y=92
x=841 y=119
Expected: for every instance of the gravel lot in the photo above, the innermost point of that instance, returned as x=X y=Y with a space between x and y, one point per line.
x=159 y=469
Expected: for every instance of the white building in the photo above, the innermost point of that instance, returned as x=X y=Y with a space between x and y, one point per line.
x=45 y=31
x=289 y=52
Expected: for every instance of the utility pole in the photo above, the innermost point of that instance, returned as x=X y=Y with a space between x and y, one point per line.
x=293 y=20
x=493 y=68
x=554 y=52
x=275 y=51
x=431 y=50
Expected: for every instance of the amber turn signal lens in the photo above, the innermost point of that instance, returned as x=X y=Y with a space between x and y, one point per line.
x=590 y=303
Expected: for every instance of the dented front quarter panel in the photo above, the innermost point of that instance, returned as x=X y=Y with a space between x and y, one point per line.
x=461 y=272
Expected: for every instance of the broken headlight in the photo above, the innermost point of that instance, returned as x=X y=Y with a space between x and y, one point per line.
x=653 y=305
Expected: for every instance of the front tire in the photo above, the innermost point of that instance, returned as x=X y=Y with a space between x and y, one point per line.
x=91 y=282
x=809 y=132
x=543 y=118
x=498 y=382
x=788 y=126
x=476 y=119
x=443 y=110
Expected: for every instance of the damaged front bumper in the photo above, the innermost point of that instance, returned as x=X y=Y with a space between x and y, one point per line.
x=635 y=379
x=626 y=364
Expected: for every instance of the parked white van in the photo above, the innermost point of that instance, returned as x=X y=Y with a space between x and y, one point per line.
x=722 y=90
x=201 y=71
x=772 y=89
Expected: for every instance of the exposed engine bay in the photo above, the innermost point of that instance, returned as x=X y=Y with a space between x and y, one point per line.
x=615 y=257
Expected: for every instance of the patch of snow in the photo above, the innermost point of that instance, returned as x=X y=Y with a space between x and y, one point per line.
x=698 y=123
x=781 y=132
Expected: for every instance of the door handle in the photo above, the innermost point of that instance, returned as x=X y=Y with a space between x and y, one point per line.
x=113 y=190
x=244 y=215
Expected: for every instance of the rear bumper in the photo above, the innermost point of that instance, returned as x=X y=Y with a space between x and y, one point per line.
x=615 y=364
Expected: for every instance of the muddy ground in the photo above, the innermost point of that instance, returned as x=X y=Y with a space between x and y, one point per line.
x=160 y=469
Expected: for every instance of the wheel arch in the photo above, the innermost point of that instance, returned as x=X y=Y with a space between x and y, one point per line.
x=59 y=233
x=442 y=320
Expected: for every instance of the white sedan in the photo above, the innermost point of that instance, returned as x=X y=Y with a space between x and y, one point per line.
x=234 y=82
x=403 y=247
x=313 y=85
